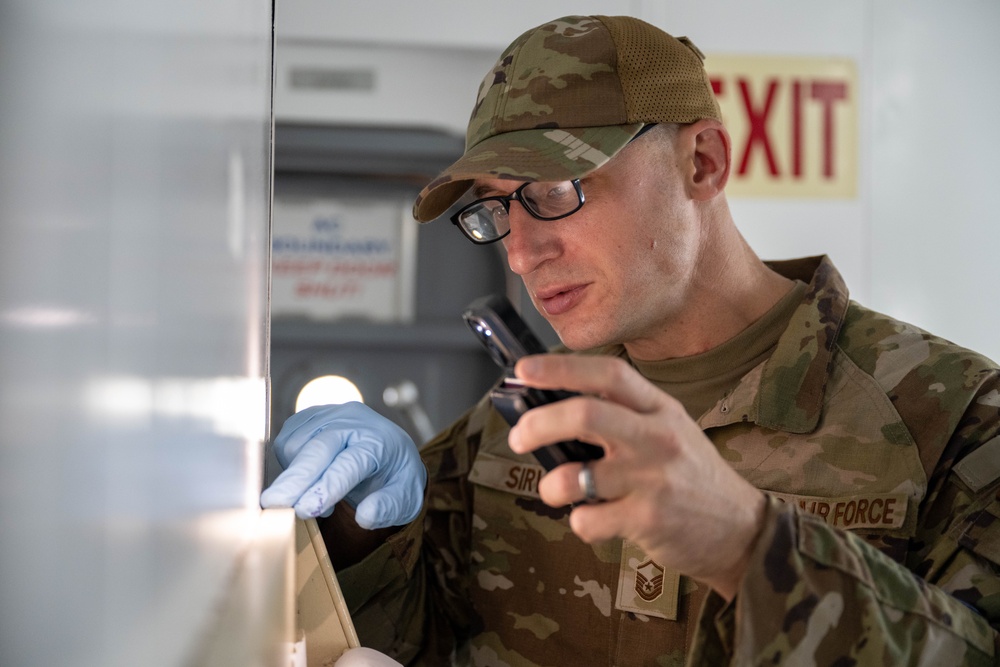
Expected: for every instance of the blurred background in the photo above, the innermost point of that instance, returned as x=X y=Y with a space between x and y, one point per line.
x=204 y=223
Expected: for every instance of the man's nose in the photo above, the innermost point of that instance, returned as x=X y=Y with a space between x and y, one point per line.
x=530 y=242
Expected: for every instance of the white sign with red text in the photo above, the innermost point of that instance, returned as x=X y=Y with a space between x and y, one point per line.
x=334 y=259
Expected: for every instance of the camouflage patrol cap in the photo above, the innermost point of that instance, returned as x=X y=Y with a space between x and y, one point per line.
x=566 y=96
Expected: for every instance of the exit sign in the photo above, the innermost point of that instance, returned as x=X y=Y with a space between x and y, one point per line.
x=793 y=124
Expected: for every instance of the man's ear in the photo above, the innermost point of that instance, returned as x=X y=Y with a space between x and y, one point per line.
x=709 y=143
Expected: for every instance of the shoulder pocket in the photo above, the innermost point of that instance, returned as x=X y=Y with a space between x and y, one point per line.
x=982 y=467
x=981 y=533
x=980 y=472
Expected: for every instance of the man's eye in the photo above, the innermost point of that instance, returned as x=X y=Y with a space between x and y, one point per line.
x=561 y=192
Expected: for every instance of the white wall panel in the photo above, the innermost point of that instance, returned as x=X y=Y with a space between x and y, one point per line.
x=435 y=23
x=134 y=197
x=935 y=145
x=423 y=61
x=365 y=85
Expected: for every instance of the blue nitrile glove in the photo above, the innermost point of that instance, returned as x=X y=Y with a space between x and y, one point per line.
x=331 y=452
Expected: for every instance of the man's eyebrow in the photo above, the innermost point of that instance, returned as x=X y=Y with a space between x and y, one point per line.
x=480 y=191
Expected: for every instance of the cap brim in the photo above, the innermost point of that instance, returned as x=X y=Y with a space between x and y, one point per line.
x=549 y=154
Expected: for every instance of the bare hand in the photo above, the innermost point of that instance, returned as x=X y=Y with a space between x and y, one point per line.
x=666 y=487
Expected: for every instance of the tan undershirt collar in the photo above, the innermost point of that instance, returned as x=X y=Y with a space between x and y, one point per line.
x=699 y=381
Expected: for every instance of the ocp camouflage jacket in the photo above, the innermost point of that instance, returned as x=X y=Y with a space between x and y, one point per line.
x=877 y=446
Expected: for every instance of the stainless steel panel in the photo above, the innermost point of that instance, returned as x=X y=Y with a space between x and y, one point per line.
x=134 y=197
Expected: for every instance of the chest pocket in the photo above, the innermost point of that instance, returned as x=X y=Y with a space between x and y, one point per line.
x=858 y=470
x=877 y=496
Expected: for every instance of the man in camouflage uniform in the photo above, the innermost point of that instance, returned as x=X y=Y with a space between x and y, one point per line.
x=789 y=478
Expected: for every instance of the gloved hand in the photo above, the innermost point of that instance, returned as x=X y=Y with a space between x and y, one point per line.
x=331 y=452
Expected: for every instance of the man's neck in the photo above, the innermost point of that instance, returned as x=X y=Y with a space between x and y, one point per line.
x=719 y=306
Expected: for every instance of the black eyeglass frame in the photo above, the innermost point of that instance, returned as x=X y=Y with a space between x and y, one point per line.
x=505 y=201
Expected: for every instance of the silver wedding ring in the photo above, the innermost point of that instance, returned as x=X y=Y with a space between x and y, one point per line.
x=586 y=481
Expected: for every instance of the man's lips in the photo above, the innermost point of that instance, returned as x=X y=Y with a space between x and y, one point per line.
x=557 y=301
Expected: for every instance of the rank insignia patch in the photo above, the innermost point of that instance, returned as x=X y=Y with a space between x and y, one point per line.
x=649 y=581
x=644 y=586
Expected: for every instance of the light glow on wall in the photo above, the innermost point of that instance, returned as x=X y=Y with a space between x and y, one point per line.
x=327 y=390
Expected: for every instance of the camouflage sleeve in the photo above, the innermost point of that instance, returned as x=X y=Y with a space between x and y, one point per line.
x=815 y=594
x=407 y=598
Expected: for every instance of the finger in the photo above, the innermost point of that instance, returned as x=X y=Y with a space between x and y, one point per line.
x=564 y=485
x=584 y=418
x=561 y=486
x=302 y=427
x=348 y=470
x=395 y=504
x=600 y=522
x=610 y=378
x=301 y=473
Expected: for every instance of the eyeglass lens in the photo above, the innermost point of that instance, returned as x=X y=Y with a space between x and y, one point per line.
x=487 y=219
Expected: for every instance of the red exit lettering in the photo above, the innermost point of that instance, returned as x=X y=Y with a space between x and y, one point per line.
x=758 y=105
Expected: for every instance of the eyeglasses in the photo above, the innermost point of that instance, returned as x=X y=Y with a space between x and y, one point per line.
x=487 y=220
